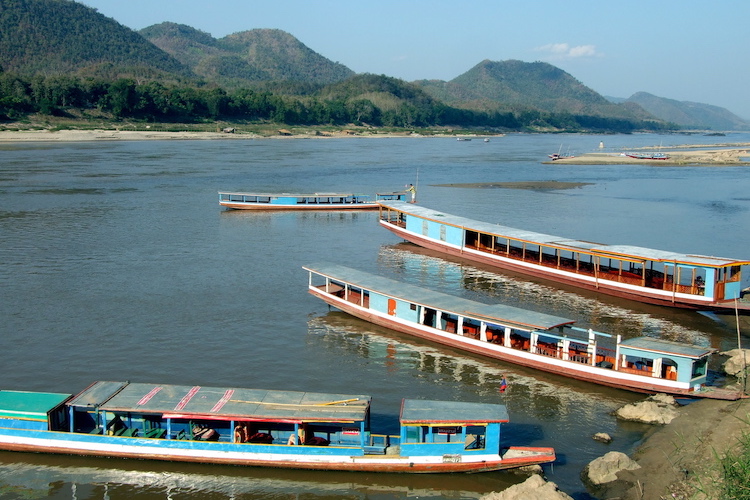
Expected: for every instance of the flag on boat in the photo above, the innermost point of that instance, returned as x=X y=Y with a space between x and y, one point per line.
x=503 y=385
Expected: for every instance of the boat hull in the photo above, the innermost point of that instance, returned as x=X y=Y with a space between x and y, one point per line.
x=274 y=456
x=616 y=289
x=322 y=206
x=579 y=371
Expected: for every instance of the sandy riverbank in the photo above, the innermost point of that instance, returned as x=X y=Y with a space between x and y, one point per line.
x=679 y=460
x=131 y=135
x=736 y=154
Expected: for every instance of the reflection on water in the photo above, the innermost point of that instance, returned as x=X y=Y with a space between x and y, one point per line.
x=602 y=313
x=116 y=263
x=25 y=476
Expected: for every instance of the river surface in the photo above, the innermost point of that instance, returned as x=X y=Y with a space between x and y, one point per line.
x=117 y=263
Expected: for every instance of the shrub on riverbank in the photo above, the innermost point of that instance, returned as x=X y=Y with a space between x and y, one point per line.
x=735 y=468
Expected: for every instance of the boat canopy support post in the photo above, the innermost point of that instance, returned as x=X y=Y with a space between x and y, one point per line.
x=617 y=352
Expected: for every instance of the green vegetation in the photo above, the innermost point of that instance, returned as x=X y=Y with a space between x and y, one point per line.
x=735 y=468
x=60 y=58
x=362 y=100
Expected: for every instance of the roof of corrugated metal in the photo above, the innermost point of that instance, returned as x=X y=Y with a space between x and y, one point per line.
x=628 y=252
x=419 y=411
x=225 y=403
x=29 y=405
x=492 y=313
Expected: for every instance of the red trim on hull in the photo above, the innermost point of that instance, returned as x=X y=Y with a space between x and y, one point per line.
x=545 y=455
x=645 y=388
x=271 y=207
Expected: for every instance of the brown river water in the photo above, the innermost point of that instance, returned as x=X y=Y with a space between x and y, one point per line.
x=117 y=263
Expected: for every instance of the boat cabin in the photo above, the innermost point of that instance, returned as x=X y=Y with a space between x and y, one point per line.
x=338 y=422
x=655 y=276
x=300 y=200
x=509 y=333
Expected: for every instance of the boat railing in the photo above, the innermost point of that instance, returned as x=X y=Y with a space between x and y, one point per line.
x=650 y=280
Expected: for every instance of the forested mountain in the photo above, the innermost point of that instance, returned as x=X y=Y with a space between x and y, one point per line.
x=516 y=85
x=254 y=55
x=62 y=37
x=59 y=57
x=689 y=114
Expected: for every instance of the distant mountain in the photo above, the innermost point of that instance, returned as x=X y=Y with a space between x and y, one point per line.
x=689 y=114
x=256 y=55
x=517 y=85
x=64 y=37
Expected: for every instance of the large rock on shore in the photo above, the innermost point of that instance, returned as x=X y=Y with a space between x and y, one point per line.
x=657 y=409
x=738 y=361
x=604 y=469
x=534 y=488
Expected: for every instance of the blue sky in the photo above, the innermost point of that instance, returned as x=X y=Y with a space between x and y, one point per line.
x=686 y=50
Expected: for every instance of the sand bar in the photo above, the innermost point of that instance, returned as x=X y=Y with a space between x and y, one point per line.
x=737 y=154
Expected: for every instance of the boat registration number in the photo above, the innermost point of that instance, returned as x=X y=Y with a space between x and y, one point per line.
x=451 y=459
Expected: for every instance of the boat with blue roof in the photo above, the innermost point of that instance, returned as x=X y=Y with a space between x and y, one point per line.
x=647 y=275
x=528 y=338
x=312 y=201
x=259 y=427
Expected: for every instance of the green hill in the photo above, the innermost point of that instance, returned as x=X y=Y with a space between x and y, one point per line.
x=248 y=56
x=517 y=85
x=689 y=114
x=65 y=37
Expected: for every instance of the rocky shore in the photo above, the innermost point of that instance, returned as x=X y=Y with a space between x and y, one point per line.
x=678 y=459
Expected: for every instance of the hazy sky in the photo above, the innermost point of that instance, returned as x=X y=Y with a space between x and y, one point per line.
x=686 y=50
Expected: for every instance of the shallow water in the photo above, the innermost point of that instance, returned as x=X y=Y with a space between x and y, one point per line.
x=116 y=263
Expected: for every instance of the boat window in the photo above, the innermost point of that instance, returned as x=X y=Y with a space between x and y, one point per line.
x=475 y=437
x=449 y=322
x=415 y=434
x=447 y=434
x=699 y=367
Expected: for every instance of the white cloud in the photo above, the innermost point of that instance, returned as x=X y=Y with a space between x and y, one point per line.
x=565 y=51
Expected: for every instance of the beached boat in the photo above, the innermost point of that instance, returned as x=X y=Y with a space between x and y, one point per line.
x=646 y=275
x=252 y=427
x=648 y=156
x=536 y=340
x=315 y=201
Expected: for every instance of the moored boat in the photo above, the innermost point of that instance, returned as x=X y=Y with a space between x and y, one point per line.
x=536 y=340
x=636 y=273
x=648 y=156
x=253 y=427
x=314 y=201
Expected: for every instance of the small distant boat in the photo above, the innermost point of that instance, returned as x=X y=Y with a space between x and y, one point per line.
x=648 y=275
x=486 y=139
x=463 y=138
x=536 y=340
x=560 y=155
x=258 y=427
x=647 y=156
x=315 y=201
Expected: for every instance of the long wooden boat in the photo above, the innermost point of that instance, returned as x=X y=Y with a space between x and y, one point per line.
x=527 y=338
x=642 y=274
x=253 y=427
x=314 y=201
x=648 y=156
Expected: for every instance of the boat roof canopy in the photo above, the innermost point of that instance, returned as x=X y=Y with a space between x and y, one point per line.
x=494 y=313
x=182 y=401
x=29 y=405
x=298 y=195
x=623 y=252
x=668 y=347
x=419 y=411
